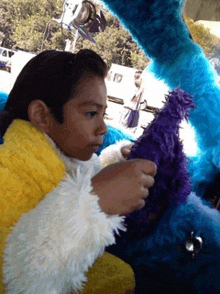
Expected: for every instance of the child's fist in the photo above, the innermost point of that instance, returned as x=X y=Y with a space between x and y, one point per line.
x=123 y=187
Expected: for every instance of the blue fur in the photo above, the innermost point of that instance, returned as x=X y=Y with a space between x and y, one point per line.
x=3 y=99
x=158 y=264
x=154 y=251
x=114 y=135
x=158 y=28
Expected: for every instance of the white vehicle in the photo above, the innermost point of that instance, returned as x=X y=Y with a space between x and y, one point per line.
x=121 y=87
x=18 y=61
x=120 y=82
x=5 y=58
x=154 y=90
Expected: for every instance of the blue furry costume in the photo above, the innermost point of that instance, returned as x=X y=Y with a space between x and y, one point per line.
x=180 y=253
x=179 y=62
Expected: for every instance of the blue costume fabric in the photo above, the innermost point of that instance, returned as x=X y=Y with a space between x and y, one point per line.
x=158 y=28
x=3 y=99
x=114 y=135
x=181 y=252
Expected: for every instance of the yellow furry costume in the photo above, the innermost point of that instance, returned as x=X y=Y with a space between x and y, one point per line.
x=54 y=227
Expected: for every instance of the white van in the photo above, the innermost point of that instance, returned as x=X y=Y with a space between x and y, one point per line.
x=120 y=83
x=5 y=57
x=154 y=91
x=121 y=87
x=18 y=61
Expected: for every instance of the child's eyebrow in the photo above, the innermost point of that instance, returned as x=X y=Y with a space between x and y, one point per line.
x=92 y=103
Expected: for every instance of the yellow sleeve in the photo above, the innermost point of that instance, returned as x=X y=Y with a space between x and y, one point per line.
x=110 y=275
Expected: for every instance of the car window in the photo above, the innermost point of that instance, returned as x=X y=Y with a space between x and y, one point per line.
x=4 y=53
x=11 y=53
x=117 y=78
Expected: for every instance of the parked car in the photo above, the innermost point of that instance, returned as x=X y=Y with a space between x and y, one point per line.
x=5 y=58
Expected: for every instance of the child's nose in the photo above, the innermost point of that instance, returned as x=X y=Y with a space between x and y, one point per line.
x=102 y=129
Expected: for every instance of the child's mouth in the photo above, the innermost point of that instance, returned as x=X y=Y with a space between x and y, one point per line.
x=95 y=147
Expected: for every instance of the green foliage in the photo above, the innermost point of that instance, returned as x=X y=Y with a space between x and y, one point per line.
x=25 y=23
x=139 y=60
x=115 y=45
x=202 y=35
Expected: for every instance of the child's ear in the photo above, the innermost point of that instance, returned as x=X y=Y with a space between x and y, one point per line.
x=39 y=115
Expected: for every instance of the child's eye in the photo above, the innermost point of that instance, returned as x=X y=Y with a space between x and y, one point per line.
x=91 y=114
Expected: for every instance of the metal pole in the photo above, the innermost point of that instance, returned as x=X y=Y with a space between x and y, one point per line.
x=74 y=41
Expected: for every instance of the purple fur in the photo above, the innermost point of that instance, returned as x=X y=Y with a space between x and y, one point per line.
x=160 y=143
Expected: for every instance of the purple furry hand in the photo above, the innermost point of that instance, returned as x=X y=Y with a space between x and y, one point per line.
x=161 y=144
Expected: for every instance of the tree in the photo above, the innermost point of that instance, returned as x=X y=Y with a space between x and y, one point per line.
x=27 y=24
x=116 y=45
x=202 y=35
x=23 y=21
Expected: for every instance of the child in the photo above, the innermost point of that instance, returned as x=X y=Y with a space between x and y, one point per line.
x=58 y=210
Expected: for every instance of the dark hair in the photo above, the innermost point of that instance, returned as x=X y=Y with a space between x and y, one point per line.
x=137 y=76
x=52 y=77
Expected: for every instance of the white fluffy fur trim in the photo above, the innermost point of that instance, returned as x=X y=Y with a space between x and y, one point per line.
x=52 y=247
x=112 y=153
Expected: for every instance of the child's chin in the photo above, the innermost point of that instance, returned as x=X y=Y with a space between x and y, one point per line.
x=85 y=157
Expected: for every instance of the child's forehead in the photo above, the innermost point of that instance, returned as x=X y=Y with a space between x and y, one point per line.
x=90 y=90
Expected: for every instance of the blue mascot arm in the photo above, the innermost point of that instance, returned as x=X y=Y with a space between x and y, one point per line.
x=159 y=30
x=154 y=24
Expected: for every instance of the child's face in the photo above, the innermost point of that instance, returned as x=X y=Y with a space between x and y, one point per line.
x=81 y=133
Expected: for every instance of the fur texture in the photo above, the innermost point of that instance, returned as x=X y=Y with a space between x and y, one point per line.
x=3 y=99
x=59 y=229
x=112 y=153
x=160 y=143
x=114 y=135
x=52 y=247
x=159 y=265
x=180 y=63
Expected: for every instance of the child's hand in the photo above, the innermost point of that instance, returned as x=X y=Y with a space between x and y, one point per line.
x=123 y=187
x=126 y=150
